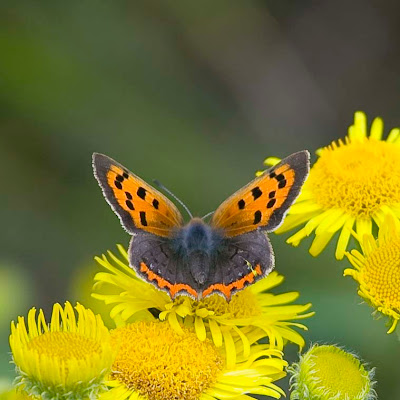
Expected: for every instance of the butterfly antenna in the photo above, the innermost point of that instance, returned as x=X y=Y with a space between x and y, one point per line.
x=162 y=187
x=208 y=214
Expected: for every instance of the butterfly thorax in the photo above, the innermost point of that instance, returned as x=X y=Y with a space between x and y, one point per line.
x=196 y=244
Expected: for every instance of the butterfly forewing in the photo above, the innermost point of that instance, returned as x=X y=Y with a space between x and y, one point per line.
x=138 y=205
x=264 y=201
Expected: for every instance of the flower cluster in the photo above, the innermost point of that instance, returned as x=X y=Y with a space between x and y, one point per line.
x=354 y=189
x=231 y=329
x=214 y=349
x=252 y=314
x=161 y=349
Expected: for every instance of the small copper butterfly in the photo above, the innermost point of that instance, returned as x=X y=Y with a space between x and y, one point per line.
x=198 y=259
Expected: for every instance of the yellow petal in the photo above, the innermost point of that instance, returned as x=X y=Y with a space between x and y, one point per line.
x=295 y=239
x=393 y=135
x=360 y=126
x=332 y=222
x=344 y=238
x=377 y=129
x=229 y=348
x=245 y=342
x=270 y=281
x=320 y=242
x=305 y=207
x=215 y=332
x=172 y=319
x=272 y=161
x=200 y=328
x=363 y=226
x=291 y=221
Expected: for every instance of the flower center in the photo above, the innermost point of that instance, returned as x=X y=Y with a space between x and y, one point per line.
x=243 y=304
x=161 y=364
x=358 y=177
x=381 y=273
x=65 y=346
x=338 y=373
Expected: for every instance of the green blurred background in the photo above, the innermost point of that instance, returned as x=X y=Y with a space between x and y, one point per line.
x=195 y=94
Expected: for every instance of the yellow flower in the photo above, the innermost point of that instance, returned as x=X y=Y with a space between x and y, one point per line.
x=15 y=394
x=251 y=314
x=377 y=270
x=330 y=373
x=156 y=362
x=355 y=182
x=67 y=359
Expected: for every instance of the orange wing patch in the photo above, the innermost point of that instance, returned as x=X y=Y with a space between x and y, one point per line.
x=226 y=290
x=161 y=283
x=138 y=205
x=264 y=201
x=149 y=211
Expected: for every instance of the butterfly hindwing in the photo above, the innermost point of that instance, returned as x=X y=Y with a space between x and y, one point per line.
x=241 y=261
x=138 y=205
x=263 y=202
x=154 y=261
x=244 y=259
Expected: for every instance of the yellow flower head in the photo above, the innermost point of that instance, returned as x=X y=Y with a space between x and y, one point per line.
x=377 y=270
x=67 y=359
x=156 y=362
x=251 y=314
x=330 y=373
x=353 y=182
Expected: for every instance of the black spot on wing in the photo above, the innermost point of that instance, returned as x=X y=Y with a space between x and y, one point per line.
x=257 y=217
x=129 y=204
x=271 y=203
x=141 y=192
x=156 y=203
x=256 y=192
x=125 y=175
x=272 y=194
x=282 y=184
x=119 y=178
x=118 y=185
x=128 y=195
x=241 y=204
x=143 y=220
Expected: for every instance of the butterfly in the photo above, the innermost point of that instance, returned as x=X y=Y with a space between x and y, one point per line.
x=198 y=259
